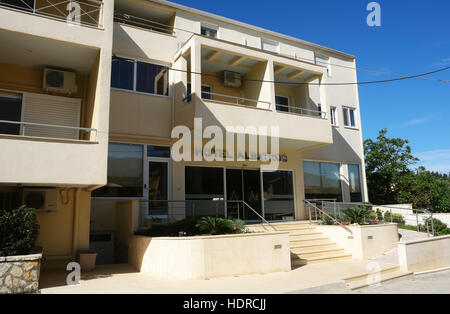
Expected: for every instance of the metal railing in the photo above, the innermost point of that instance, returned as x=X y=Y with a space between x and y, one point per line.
x=303 y=111
x=128 y=19
x=165 y=211
x=22 y=129
x=236 y=100
x=87 y=12
x=316 y=214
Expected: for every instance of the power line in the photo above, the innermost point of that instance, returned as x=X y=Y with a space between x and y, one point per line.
x=307 y=59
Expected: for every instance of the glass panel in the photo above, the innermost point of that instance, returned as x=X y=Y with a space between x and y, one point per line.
x=122 y=75
x=278 y=195
x=282 y=103
x=252 y=193
x=152 y=79
x=158 y=188
x=19 y=4
x=204 y=192
x=352 y=118
x=158 y=151
x=206 y=92
x=125 y=173
x=345 y=117
x=235 y=208
x=355 y=183
x=209 y=31
x=10 y=110
x=322 y=180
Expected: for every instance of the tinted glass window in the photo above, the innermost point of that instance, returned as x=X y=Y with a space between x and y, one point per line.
x=278 y=195
x=158 y=151
x=10 y=110
x=152 y=79
x=322 y=180
x=355 y=183
x=122 y=73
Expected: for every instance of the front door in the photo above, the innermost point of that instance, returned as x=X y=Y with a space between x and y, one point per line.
x=244 y=186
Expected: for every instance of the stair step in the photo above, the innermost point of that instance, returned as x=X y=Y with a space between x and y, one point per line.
x=327 y=245
x=306 y=254
x=384 y=277
x=305 y=236
x=310 y=241
x=301 y=231
x=320 y=259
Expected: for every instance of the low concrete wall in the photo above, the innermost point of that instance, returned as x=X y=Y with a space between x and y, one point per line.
x=20 y=274
x=423 y=255
x=366 y=241
x=406 y=210
x=210 y=256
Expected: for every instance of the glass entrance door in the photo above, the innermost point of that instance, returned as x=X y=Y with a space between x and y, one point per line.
x=158 y=188
x=244 y=185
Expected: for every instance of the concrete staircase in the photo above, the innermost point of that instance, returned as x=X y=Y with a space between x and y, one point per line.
x=387 y=273
x=307 y=244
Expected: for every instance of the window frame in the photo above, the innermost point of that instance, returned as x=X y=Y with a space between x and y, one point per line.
x=341 y=169
x=347 y=116
x=360 y=182
x=209 y=26
x=334 y=123
x=135 y=62
x=289 y=102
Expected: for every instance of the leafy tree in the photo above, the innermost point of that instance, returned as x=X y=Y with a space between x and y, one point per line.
x=387 y=165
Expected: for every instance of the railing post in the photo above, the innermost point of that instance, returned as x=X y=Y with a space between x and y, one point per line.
x=417 y=219
x=432 y=223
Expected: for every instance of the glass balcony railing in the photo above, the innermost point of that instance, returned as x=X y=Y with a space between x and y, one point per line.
x=85 y=12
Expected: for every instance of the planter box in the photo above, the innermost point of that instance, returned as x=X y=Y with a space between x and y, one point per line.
x=210 y=256
x=20 y=274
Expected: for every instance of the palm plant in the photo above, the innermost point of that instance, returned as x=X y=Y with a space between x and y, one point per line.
x=356 y=214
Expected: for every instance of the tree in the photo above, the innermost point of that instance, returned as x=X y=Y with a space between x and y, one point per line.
x=388 y=162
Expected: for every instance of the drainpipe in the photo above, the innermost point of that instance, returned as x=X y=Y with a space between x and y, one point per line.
x=75 y=222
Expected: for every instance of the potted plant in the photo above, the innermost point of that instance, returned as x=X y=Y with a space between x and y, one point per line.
x=20 y=260
x=87 y=260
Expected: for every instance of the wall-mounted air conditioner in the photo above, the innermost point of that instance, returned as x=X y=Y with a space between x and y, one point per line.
x=41 y=199
x=232 y=79
x=63 y=82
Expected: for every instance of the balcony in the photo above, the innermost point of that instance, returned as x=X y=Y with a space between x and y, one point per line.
x=269 y=91
x=84 y=12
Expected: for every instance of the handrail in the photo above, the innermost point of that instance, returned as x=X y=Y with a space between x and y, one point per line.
x=257 y=214
x=49 y=126
x=314 y=113
x=129 y=19
x=236 y=98
x=324 y=213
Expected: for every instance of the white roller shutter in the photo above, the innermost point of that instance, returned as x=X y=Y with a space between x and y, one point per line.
x=52 y=110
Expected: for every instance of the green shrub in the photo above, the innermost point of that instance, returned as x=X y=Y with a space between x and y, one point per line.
x=440 y=228
x=215 y=226
x=18 y=231
x=327 y=220
x=356 y=215
x=379 y=215
x=396 y=218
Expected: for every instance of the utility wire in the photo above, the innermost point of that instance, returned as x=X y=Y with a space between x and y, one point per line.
x=127 y=16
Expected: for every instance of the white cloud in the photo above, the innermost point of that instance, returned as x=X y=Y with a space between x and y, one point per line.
x=417 y=121
x=442 y=62
x=436 y=160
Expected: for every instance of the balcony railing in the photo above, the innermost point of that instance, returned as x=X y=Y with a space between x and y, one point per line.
x=236 y=100
x=302 y=111
x=87 y=12
x=128 y=19
x=40 y=130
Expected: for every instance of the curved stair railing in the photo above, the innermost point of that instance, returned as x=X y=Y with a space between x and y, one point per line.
x=324 y=213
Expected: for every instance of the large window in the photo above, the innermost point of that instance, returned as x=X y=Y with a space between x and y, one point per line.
x=354 y=179
x=282 y=103
x=10 y=110
x=143 y=77
x=204 y=191
x=125 y=172
x=322 y=180
x=278 y=195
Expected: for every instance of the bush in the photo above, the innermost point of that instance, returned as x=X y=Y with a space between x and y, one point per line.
x=18 y=231
x=379 y=215
x=396 y=218
x=356 y=215
x=440 y=228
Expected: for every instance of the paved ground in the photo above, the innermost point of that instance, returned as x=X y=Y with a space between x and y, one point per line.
x=124 y=279
x=433 y=283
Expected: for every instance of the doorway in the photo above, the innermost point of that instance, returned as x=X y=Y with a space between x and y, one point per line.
x=244 y=185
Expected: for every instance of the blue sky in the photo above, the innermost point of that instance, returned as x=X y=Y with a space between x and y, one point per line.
x=414 y=38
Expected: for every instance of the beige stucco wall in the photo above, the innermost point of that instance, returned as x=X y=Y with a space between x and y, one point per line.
x=424 y=255
x=384 y=238
x=210 y=257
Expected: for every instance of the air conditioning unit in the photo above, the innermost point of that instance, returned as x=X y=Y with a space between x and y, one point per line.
x=232 y=79
x=58 y=81
x=45 y=200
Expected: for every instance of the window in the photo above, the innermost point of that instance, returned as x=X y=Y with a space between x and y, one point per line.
x=354 y=179
x=125 y=172
x=322 y=180
x=349 y=117
x=278 y=195
x=10 y=110
x=282 y=103
x=270 y=46
x=333 y=116
x=325 y=62
x=158 y=151
x=133 y=75
x=206 y=92
x=209 y=30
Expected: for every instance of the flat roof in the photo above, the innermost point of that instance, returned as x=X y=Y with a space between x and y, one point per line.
x=248 y=26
